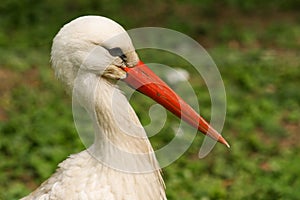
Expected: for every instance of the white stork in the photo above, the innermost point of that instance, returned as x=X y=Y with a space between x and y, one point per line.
x=85 y=46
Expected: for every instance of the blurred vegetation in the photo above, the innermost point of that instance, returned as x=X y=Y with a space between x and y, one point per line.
x=255 y=44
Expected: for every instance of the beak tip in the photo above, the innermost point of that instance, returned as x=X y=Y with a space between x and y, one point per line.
x=223 y=141
x=228 y=146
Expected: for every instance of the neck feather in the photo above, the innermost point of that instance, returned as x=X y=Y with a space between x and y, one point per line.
x=120 y=139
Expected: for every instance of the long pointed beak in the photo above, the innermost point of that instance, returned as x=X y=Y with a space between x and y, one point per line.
x=141 y=78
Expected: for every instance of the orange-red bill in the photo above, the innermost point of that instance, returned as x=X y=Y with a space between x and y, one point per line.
x=141 y=78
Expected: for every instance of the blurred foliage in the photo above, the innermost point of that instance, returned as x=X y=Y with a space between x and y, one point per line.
x=255 y=44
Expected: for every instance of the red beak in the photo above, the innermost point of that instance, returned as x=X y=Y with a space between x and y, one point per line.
x=141 y=78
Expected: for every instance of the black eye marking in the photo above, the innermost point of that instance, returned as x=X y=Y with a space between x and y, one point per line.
x=117 y=51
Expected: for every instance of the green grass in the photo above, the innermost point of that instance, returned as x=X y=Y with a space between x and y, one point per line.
x=256 y=51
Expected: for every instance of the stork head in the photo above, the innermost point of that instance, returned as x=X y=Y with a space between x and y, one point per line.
x=92 y=43
x=102 y=47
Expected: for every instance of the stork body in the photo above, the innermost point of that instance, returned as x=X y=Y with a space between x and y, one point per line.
x=89 y=55
x=83 y=176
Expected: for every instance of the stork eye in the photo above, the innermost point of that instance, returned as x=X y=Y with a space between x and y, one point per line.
x=117 y=51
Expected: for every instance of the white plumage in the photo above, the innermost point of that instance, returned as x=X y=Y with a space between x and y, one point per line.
x=82 y=176
x=89 y=55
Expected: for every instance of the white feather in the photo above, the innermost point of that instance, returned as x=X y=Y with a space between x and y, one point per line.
x=95 y=173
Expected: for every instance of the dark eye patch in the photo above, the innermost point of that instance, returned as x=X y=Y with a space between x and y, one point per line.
x=117 y=51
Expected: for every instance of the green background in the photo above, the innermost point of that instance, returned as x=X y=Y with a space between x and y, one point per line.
x=256 y=46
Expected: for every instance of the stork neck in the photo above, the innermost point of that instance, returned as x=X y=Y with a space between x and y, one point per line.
x=120 y=140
